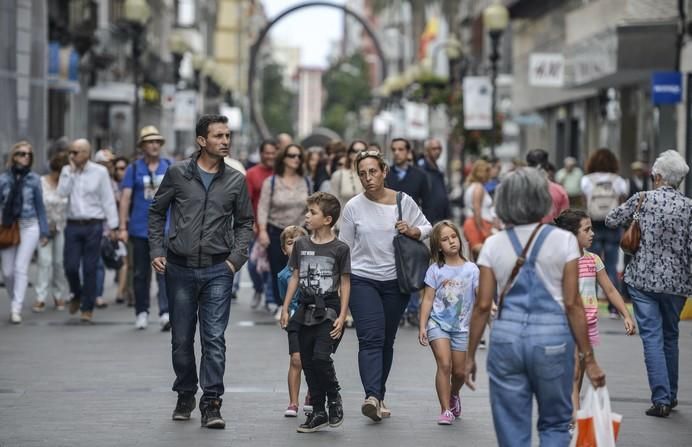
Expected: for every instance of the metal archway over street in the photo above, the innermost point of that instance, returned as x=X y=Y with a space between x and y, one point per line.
x=255 y=107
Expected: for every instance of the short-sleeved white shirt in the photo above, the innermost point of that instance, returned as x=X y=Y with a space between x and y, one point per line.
x=559 y=248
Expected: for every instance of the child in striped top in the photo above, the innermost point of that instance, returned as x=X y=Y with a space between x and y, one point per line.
x=592 y=274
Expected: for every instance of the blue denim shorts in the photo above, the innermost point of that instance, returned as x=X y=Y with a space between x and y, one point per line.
x=458 y=340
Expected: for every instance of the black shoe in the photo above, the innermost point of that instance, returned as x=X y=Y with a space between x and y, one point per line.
x=211 y=414
x=673 y=404
x=314 y=422
x=336 y=411
x=412 y=318
x=234 y=296
x=184 y=406
x=658 y=410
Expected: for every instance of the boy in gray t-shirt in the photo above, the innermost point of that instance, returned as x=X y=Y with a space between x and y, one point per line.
x=321 y=269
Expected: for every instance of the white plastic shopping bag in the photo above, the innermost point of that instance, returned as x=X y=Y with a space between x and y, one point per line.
x=596 y=425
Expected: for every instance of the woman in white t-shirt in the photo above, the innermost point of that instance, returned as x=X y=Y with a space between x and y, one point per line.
x=369 y=223
x=604 y=190
x=531 y=341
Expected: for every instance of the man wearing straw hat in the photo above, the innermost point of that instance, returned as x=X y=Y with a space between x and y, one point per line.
x=139 y=185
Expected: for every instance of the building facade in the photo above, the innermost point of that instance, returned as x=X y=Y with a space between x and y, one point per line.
x=610 y=49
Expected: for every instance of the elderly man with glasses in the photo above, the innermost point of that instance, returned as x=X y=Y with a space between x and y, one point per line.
x=91 y=201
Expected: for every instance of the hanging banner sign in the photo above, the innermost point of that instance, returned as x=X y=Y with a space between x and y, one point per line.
x=477 y=103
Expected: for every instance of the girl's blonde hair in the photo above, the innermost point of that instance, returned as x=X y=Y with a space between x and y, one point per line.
x=436 y=246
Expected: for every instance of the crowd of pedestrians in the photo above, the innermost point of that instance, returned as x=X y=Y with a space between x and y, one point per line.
x=532 y=255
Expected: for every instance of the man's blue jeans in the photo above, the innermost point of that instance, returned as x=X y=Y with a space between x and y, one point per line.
x=142 y=278
x=658 y=315
x=82 y=249
x=205 y=292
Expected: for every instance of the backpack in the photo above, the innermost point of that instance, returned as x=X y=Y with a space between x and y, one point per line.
x=603 y=198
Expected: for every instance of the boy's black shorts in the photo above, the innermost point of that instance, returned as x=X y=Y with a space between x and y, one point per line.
x=292 y=332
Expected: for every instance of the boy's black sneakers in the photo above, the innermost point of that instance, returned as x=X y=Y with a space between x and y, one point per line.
x=211 y=414
x=336 y=411
x=184 y=406
x=314 y=422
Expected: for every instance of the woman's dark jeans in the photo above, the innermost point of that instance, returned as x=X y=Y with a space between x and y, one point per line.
x=277 y=260
x=376 y=307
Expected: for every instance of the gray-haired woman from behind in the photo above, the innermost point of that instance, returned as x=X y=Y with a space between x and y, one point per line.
x=540 y=317
x=660 y=274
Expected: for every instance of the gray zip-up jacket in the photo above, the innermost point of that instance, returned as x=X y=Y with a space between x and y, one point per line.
x=206 y=227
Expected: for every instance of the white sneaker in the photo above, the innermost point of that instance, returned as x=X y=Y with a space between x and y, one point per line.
x=142 y=320
x=277 y=313
x=15 y=318
x=165 y=322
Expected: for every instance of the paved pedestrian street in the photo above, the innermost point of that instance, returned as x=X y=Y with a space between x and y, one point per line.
x=65 y=384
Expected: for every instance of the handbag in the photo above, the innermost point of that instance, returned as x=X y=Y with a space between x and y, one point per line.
x=412 y=259
x=596 y=425
x=632 y=236
x=9 y=236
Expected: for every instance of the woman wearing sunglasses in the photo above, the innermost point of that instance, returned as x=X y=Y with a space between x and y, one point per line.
x=22 y=205
x=282 y=203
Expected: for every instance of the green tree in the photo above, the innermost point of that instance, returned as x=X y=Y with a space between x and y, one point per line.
x=347 y=86
x=277 y=101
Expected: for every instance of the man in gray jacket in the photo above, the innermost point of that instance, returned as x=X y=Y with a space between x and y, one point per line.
x=210 y=229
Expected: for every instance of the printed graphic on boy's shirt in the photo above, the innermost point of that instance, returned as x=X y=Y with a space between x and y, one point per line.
x=151 y=185
x=316 y=274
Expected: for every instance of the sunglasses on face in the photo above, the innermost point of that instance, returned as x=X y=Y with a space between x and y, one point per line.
x=120 y=168
x=73 y=152
x=22 y=154
x=294 y=155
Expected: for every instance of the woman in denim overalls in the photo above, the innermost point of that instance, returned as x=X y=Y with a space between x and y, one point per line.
x=531 y=345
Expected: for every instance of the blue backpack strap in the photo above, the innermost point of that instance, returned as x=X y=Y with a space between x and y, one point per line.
x=540 y=239
x=515 y=241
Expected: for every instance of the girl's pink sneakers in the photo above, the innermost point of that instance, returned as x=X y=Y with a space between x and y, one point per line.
x=445 y=418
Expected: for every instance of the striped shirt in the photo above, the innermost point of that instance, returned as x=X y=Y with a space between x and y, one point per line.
x=589 y=265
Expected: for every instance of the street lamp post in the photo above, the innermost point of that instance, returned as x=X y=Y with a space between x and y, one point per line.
x=495 y=21
x=137 y=13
